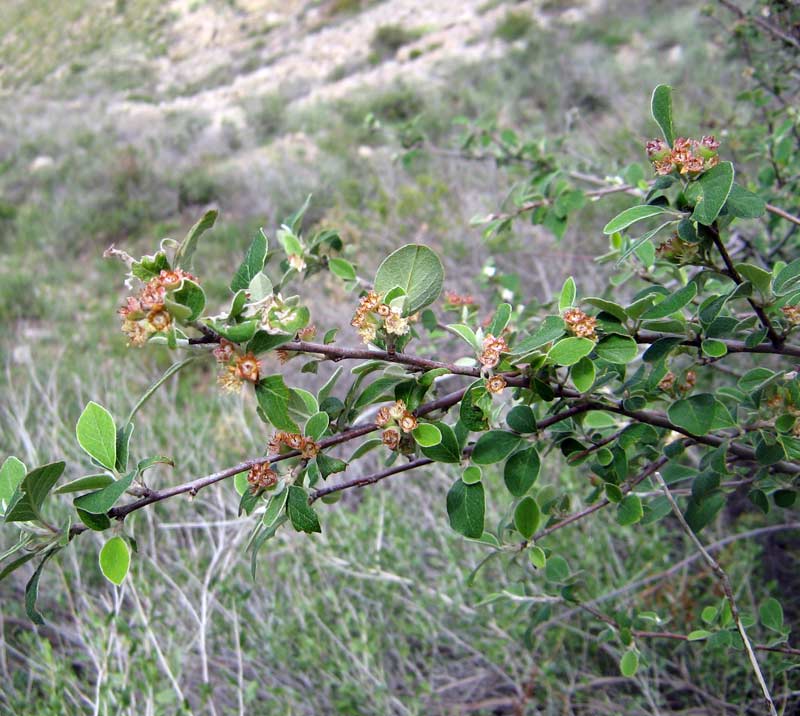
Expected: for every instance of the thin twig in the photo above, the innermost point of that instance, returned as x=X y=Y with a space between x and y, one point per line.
x=726 y=586
x=762 y=23
x=776 y=339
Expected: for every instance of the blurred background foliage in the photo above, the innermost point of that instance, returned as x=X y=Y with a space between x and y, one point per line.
x=121 y=121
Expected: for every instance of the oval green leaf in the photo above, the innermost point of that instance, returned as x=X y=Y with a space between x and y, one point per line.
x=97 y=434
x=417 y=270
x=115 y=559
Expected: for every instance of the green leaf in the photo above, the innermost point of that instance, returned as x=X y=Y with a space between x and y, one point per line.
x=527 y=516
x=583 y=374
x=629 y=663
x=494 y=446
x=568 y=293
x=500 y=320
x=695 y=414
x=273 y=398
x=32 y=590
x=787 y=278
x=274 y=508
x=631 y=216
x=743 y=204
x=700 y=513
x=714 y=348
x=263 y=341
x=521 y=419
x=671 y=304
x=343 y=269
x=329 y=465
x=417 y=270
x=698 y=635
x=11 y=475
x=14 y=565
x=185 y=251
x=771 y=614
x=427 y=435
x=661 y=109
x=150 y=266
x=466 y=508
x=557 y=569
x=316 y=425
x=470 y=412
x=102 y=501
x=260 y=287
x=191 y=296
x=629 y=511
x=98 y=523
x=538 y=557
x=33 y=490
x=149 y=462
x=613 y=309
x=759 y=277
x=89 y=482
x=253 y=263
x=714 y=186
x=115 y=559
x=552 y=327
x=447 y=449
x=569 y=351
x=123 y=437
x=302 y=517
x=521 y=471
x=97 y=434
x=617 y=349
x=466 y=333
x=472 y=475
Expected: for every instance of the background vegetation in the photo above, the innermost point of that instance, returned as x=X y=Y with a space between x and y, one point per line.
x=115 y=129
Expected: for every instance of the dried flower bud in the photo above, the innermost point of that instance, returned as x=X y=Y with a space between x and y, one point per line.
x=792 y=314
x=408 y=422
x=580 y=323
x=398 y=410
x=383 y=310
x=496 y=384
x=248 y=367
x=667 y=382
x=396 y=324
x=656 y=149
x=159 y=319
x=391 y=438
x=225 y=351
x=298 y=263
x=261 y=477
x=383 y=417
x=308 y=448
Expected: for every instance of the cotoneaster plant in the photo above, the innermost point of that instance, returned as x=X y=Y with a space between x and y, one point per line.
x=690 y=378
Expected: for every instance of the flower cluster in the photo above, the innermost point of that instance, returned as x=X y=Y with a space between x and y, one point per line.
x=261 y=477
x=456 y=300
x=394 y=419
x=145 y=314
x=235 y=368
x=677 y=250
x=687 y=156
x=491 y=349
x=372 y=315
x=294 y=441
x=580 y=324
x=792 y=314
x=669 y=382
